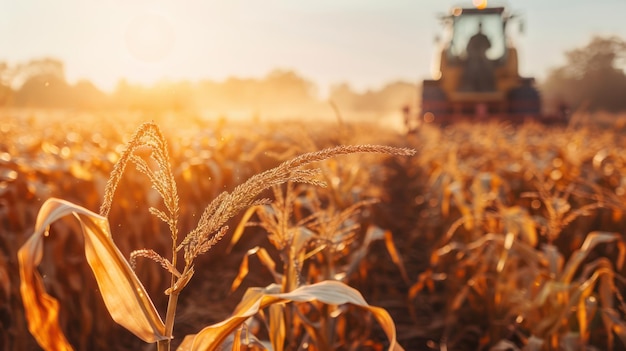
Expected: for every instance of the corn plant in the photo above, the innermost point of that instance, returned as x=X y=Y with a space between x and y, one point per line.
x=559 y=295
x=524 y=290
x=300 y=230
x=123 y=293
x=317 y=230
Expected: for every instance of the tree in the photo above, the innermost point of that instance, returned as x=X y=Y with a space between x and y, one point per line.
x=46 y=66
x=593 y=76
x=45 y=90
x=42 y=83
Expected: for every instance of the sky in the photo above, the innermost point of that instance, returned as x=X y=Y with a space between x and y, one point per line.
x=366 y=43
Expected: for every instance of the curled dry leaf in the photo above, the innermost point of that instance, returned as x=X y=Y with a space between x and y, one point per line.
x=124 y=295
x=592 y=240
x=240 y=228
x=256 y=299
x=265 y=259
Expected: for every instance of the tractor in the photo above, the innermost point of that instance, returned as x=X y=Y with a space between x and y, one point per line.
x=478 y=76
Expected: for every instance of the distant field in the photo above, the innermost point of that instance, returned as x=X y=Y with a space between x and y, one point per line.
x=506 y=237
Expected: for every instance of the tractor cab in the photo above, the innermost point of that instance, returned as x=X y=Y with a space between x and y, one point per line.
x=467 y=30
x=478 y=76
x=477 y=44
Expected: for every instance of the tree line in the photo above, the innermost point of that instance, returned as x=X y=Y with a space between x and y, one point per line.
x=41 y=83
x=592 y=78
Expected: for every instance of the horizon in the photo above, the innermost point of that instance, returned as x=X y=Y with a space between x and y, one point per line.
x=365 y=44
x=222 y=80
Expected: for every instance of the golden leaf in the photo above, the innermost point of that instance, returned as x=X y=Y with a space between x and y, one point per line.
x=256 y=299
x=124 y=295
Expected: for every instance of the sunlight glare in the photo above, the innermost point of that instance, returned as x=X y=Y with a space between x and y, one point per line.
x=149 y=37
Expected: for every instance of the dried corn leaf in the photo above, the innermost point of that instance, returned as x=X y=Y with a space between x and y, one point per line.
x=586 y=309
x=554 y=259
x=256 y=299
x=373 y=233
x=395 y=255
x=591 y=241
x=265 y=259
x=236 y=340
x=123 y=294
x=485 y=189
x=618 y=325
x=241 y=227
x=586 y=288
x=241 y=339
x=300 y=238
x=517 y=220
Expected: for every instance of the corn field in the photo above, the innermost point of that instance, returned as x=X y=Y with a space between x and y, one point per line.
x=309 y=236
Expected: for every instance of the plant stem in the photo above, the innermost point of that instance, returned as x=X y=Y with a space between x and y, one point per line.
x=326 y=325
x=164 y=345
x=289 y=284
x=169 y=319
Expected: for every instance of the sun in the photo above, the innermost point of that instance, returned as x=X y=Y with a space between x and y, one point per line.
x=480 y=4
x=149 y=37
